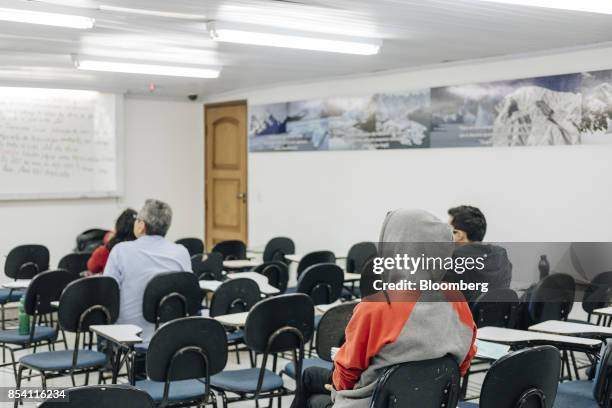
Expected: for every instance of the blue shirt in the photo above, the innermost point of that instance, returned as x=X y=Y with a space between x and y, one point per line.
x=133 y=264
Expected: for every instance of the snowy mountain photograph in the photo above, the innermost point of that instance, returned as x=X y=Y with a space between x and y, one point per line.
x=568 y=109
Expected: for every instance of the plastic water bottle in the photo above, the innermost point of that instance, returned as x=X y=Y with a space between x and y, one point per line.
x=24 y=319
x=544 y=267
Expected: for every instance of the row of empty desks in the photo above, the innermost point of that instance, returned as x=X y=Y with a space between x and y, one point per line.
x=264 y=287
x=530 y=337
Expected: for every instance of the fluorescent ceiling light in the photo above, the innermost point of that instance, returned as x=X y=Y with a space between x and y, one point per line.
x=50 y=19
x=155 y=13
x=293 y=41
x=147 y=69
x=590 y=6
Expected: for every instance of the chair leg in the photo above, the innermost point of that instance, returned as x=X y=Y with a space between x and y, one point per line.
x=18 y=385
x=13 y=362
x=43 y=380
x=224 y=399
x=576 y=373
x=237 y=354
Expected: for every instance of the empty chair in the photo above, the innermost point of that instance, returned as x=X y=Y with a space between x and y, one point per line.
x=322 y=282
x=83 y=303
x=45 y=288
x=330 y=333
x=277 y=273
x=358 y=255
x=419 y=384
x=527 y=378
x=75 y=262
x=598 y=294
x=234 y=296
x=277 y=248
x=25 y=261
x=552 y=298
x=89 y=240
x=101 y=396
x=210 y=268
x=275 y=325
x=194 y=245
x=181 y=358
x=497 y=307
x=22 y=262
x=231 y=250
x=171 y=295
x=586 y=393
x=314 y=258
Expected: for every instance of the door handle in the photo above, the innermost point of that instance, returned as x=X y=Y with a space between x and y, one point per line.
x=242 y=196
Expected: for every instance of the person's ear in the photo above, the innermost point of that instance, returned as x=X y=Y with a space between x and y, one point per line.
x=460 y=236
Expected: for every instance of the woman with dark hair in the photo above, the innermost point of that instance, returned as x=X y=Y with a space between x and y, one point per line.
x=124 y=231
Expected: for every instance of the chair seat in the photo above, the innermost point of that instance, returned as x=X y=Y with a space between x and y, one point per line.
x=40 y=333
x=308 y=362
x=7 y=296
x=245 y=381
x=185 y=390
x=235 y=336
x=467 y=405
x=575 y=394
x=291 y=289
x=62 y=360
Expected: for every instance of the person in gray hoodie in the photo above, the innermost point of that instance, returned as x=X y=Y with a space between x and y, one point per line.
x=400 y=326
x=469 y=229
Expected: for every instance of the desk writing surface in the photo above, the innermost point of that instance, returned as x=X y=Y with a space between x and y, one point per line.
x=234 y=319
x=119 y=333
x=18 y=284
x=571 y=328
x=513 y=336
x=241 y=263
x=210 y=285
x=604 y=311
x=261 y=280
x=491 y=351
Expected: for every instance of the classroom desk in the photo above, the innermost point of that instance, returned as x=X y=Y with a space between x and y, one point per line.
x=241 y=263
x=264 y=287
x=17 y=284
x=606 y=311
x=126 y=336
x=233 y=320
x=352 y=277
x=298 y=257
x=514 y=337
x=573 y=329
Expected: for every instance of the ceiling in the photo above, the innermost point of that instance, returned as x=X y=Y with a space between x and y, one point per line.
x=413 y=33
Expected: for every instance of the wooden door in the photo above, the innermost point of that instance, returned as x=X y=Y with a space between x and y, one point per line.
x=226 y=172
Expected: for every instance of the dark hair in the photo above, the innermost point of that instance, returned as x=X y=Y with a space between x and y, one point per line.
x=470 y=220
x=124 y=228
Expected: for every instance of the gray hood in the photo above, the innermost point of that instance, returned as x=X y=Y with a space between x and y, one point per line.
x=415 y=233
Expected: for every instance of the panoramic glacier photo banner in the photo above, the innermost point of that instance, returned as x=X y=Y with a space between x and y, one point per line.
x=564 y=109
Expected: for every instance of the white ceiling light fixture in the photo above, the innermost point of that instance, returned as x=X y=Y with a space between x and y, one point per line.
x=146 y=69
x=284 y=40
x=589 y=6
x=49 y=19
x=153 y=13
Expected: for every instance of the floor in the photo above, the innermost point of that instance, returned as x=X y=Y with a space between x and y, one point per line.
x=7 y=379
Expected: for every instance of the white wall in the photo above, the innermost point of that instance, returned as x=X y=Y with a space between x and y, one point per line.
x=163 y=159
x=333 y=199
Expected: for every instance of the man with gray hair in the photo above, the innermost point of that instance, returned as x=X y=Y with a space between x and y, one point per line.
x=133 y=264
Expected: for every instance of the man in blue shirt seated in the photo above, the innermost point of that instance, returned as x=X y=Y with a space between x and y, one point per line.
x=134 y=263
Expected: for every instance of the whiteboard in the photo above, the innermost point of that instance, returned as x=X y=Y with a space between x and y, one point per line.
x=58 y=143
